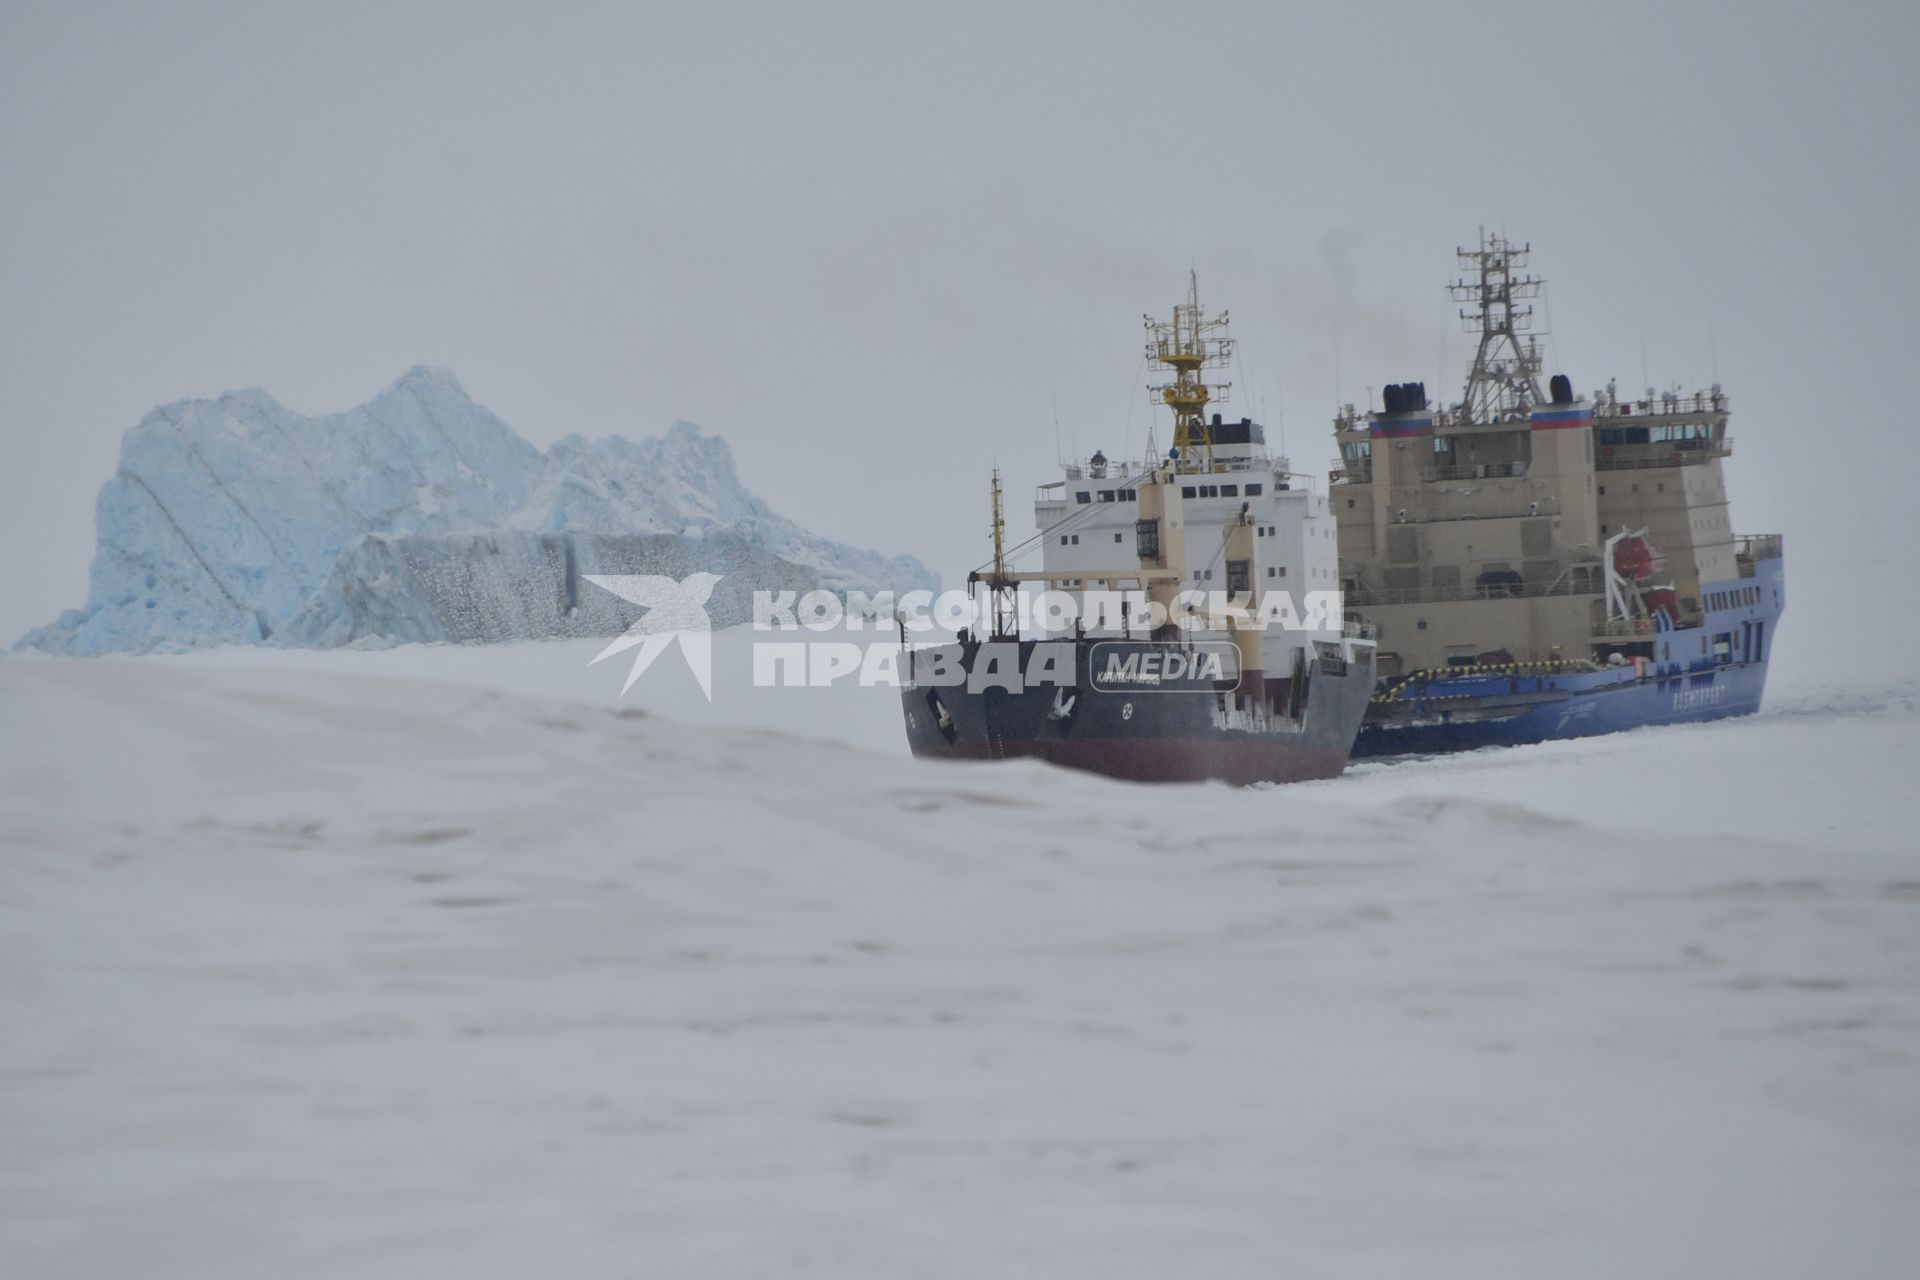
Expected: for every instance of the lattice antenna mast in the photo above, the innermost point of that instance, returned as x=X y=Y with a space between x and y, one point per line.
x=1505 y=379
x=1187 y=345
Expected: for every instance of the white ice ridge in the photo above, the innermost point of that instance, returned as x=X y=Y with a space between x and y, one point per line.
x=418 y=515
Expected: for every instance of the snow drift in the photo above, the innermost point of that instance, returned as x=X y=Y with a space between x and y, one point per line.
x=309 y=975
x=239 y=521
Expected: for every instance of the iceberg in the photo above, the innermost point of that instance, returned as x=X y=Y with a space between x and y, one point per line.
x=497 y=587
x=419 y=515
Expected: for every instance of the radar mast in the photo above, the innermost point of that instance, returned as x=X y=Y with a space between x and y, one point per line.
x=1504 y=381
x=1188 y=344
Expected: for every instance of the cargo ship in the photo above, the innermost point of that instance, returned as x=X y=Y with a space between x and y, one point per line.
x=1150 y=681
x=1541 y=565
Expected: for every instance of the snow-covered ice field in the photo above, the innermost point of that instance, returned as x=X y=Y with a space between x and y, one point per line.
x=434 y=962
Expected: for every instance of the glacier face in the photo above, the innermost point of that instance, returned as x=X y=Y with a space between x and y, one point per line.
x=418 y=515
x=495 y=587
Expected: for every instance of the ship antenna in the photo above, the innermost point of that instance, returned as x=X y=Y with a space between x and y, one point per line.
x=1000 y=588
x=1188 y=344
x=999 y=530
x=1504 y=381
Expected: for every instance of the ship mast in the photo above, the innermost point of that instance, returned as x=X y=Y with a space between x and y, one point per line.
x=1504 y=380
x=1000 y=588
x=1187 y=345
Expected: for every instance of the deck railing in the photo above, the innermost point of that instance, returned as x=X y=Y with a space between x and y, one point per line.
x=1358 y=595
x=1751 y=548
x=1664 y=406
x=1478 y=471
x=1642 y=628
x=1683 y=453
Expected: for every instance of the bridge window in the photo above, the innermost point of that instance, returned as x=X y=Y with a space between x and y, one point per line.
x=1253 y=491
x=1229 y=490
x=1082 y=495
x=1188 y=491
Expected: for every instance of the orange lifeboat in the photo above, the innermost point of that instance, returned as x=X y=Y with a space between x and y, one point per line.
x=1637 y=560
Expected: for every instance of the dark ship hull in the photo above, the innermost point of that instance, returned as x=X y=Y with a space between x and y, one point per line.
x=1298 y=728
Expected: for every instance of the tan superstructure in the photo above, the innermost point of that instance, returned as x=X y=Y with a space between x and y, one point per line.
x=1481 y=532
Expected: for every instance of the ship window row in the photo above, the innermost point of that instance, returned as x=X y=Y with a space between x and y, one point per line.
x=1073 y=539
x=1740 y=599
x=1263 y=531
x=1219 y=490
x=1086 y=496
x=1677 y=433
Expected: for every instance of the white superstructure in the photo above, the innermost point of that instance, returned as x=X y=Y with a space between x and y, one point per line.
x=1088 y=522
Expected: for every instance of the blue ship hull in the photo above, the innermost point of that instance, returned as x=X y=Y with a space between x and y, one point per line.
x=1459 y=710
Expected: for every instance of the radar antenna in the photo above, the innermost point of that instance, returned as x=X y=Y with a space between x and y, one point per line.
x=1187 y=345
x=1505 y=379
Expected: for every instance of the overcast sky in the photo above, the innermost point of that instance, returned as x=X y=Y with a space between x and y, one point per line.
x=882 y=248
